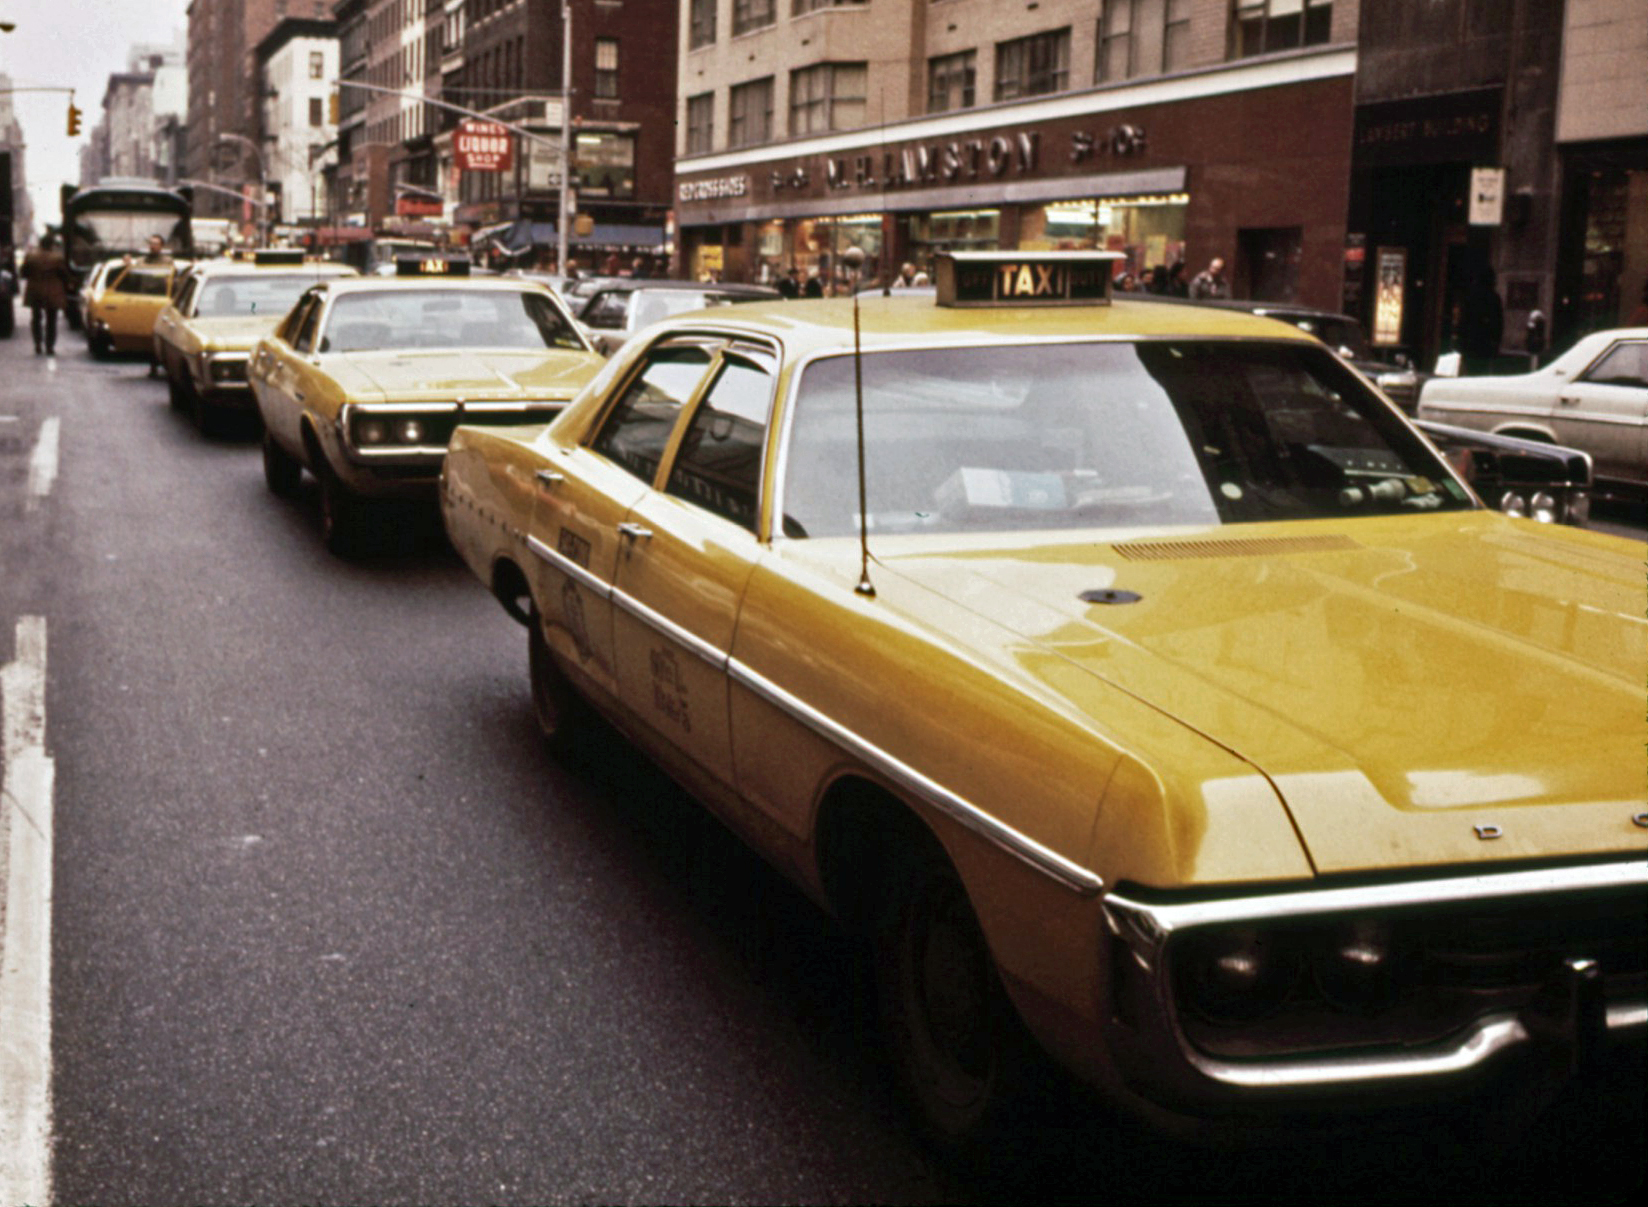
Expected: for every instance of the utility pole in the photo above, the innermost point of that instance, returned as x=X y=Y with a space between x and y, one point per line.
x=565 y=208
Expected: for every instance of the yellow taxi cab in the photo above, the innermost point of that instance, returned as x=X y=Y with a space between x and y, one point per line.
x=363 y=382
x=121 y=316
x=204 y=337
x=1133 y=678
x=90 y=290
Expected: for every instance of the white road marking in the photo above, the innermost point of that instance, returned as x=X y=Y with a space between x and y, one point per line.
x=43 y=463
x=25 y=944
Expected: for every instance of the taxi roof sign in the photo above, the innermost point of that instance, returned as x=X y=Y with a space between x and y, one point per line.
x=1031 y=278
x=431 y=266
x=278 y=255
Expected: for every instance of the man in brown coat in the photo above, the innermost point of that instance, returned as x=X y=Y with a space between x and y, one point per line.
x=45 y=292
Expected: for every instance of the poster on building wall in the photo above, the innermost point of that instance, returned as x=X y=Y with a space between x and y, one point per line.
x=1487 y=196
x=1391 y=264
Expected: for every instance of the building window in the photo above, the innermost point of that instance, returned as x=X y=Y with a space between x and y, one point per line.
x=700 y=123
x=317 y=111
x=808 y=6
x=1262 y=26
x=317 y=65
x=1142 y=37
x=1033 y=66
x=950 y=80
x=701 y=24
x=829 y=96
x=752 y=14
x=749 y=113
x=606 y=68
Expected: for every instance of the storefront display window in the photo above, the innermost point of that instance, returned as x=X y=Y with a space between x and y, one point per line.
x=952 y=230
x=1148 y=230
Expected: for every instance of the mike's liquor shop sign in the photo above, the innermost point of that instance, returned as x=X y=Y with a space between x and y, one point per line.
x=481 y=146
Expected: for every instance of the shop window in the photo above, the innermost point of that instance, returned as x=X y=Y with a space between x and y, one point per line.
x=828 y=96
x=606 y=68
x=700 y=123
x=606 y=164
x=701 y=24
x=950 y=81
x=749 y=113
x=1142 y=37
x=752 y=14
x=1263 y=26
x=1033 y=66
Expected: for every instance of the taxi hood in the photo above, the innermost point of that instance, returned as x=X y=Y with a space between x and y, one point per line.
x=1460 y=689
x=234 y=333
x=439 y=374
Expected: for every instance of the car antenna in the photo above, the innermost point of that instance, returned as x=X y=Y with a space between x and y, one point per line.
x=865 y=587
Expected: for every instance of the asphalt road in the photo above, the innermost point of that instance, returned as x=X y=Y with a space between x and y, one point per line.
x=329 y=925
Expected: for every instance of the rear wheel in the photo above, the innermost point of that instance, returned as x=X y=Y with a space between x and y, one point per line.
x=281 y=470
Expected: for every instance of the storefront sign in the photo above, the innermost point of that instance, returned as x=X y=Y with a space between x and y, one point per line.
x=1487 y=196
x=713 y=189
x=480 y=146
x=408 y=205
x=1433 y=129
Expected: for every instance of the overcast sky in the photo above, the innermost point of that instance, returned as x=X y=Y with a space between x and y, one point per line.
x=71 y=44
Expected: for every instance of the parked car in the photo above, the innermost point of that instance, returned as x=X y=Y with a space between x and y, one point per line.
x=620 y=308
x=1134 y=677
x=1593 y=397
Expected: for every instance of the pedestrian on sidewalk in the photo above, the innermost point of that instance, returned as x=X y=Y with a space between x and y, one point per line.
x=1210 y=282
x=45 y=292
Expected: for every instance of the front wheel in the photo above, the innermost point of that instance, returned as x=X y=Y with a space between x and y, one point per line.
x=281 y=470
x=960 y=1052
x=341 y=518
x=559 y=710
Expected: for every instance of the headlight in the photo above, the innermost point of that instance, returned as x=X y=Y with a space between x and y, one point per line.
x=1355 y=970
x=1544 y=508
x=409 y=431
x=1237 y=975
x=371 y=431
x=1512 y=503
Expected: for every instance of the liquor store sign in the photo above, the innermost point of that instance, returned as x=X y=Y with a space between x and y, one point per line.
x=481 y=146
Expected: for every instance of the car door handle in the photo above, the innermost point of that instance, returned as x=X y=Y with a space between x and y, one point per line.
x=298 y=394
x=634 y=531
x=549 y=477
x=1568 y=400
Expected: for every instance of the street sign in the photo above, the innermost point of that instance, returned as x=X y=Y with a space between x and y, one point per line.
x=481 y=146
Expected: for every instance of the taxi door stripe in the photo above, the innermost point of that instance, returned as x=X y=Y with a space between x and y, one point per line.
x=1068 y=873
x=1021 y=846
x=570 y=568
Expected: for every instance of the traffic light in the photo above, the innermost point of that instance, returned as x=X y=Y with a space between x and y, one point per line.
x=74 y=120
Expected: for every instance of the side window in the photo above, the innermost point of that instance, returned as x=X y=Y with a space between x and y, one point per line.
x=1625 y=364
x=719 y=464
x=186 y=290
x=637 y=431
x=307 y=322
x=607 y=310
x=288 y=329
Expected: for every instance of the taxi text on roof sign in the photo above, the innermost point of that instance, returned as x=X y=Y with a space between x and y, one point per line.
x=430 y=266
x=1025 y=278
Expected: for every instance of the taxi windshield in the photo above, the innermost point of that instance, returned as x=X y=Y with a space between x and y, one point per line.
x=440 y=317
x=1101 y=434
x=264 y=295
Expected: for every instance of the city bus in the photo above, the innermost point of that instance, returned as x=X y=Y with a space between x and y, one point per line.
x=117 y=218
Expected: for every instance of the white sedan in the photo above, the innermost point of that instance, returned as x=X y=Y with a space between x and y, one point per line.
x=1594 y=397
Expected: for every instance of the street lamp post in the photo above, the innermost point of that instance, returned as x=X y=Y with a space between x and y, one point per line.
x=263 y=188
